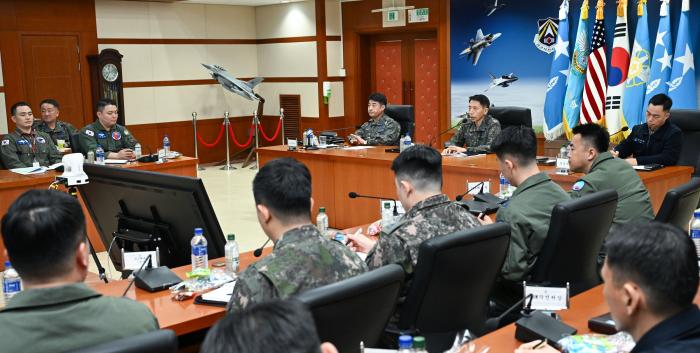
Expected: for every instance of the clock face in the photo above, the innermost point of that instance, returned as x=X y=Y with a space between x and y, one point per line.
x=110 y=72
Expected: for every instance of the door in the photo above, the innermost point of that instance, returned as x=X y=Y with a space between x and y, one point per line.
x=52 y=70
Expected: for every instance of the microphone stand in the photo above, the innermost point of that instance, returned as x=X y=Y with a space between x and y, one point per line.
x=148 y=258
x=434 y=139
x=354 y=195
x=461 y=196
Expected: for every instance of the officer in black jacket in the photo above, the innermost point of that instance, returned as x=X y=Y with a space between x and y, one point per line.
x=657 y=141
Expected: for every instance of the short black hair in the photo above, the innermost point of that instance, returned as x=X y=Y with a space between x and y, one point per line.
x=102 y=103
x=41 y=232
x=482 y=99
x=377 y=97
x=594 y=135
x=277 y=326
x=284 y=186
x=50 y=101
x=14 y=107
x=658 y=257
x=662 y=99
x=420 y=164
x=517 y=141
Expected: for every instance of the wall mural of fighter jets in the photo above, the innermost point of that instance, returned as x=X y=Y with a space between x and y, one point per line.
x=477 y=45
x=491 y=8
x=503 y=81
x=239 y=87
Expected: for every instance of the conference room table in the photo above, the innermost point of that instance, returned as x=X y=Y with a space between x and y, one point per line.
x=12 y=185
x=366 y=171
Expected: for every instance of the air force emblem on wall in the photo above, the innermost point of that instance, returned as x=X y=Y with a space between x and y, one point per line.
x=546 y=37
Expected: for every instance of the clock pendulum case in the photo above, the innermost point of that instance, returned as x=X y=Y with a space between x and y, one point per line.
x=106 y=79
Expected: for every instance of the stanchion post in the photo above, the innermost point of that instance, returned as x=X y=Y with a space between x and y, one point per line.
x=282 y=122
x=256 y=123
x=196 y=147
x=228 y=165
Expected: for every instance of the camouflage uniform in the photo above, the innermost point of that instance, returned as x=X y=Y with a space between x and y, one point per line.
x=300 y=261
x=113 y=140
x=18 y=150
x=429 y=218
x=62 y=131
x=477 y=139
x=382 y=131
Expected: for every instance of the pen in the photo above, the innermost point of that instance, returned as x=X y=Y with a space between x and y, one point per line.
x=541 y=344
x=357 y=232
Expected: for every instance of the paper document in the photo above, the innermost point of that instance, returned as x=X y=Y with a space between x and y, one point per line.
x=221 y=294
x=29 y=170
x=358 y=147
x=116 y=161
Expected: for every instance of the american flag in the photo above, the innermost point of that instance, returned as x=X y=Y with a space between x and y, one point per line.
x=593 y=104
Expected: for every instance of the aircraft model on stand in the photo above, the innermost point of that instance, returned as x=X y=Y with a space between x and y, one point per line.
x=239 y=87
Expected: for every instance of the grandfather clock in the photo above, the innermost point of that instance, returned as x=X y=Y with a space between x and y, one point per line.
x=107 y=80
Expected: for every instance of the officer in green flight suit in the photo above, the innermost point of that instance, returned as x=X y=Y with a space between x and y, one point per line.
x=116 y=140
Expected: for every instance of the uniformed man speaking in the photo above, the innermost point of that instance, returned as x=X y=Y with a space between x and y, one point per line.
x=380 y=129
x=25 y=146
x=116 y=140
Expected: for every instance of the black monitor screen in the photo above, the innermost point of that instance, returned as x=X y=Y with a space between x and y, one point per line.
x=136 y=204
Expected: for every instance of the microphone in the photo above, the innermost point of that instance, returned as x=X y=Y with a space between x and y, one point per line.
x=354 y=195
x=624 y=128
x=148 y=259
x=259 y=250
x=461 y=196
x=434 y=139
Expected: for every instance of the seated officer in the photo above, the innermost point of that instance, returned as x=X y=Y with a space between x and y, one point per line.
x=301 y=258
x=430 y=213
x=116 y=140
x=656 y=141
x=528 y=211
x=589 y=155
x=44 y=236
x=26 y=146
x=476 y=133
x=380 y=129
x=57 y=129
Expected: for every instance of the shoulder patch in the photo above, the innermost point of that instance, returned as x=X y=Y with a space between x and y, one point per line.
x=126 y=132
x=89 y=133
x=5 y=142
x=578 y=185
x=40 y=139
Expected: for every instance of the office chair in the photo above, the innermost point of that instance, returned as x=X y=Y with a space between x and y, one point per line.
x=577 y=230
x=403 y=114
x=452 y=282
x=75 y=144
x=679 y=204
x=689 y=122
x=160 y=341
x=511 y=116
x=356 y=309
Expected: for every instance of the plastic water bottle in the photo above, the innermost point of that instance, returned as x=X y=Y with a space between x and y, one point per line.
x=137 y=150
x=404 y=142
x=419 y=344
x=11 y=283
x=200 y=258
x=405 y=344
x=99 y=155
x=166 y=145
x=232 y=255
x=695 y=231
x=563 y=160
x=322 y=221
x=503 y=185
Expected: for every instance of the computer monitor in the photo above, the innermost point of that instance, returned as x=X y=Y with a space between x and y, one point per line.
x=147 y=210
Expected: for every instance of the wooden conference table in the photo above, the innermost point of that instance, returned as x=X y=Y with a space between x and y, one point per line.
x=12 y=185
x=336 y=172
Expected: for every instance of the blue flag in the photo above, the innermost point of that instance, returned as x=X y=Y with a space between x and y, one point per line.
x=638 y=75
x=681 y=88
x=556 y=87
x=661 y=62
x=577 y=74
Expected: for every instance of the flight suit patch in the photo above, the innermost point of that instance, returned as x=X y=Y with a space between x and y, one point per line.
x=578 y=185
x=40 y=140
x=5 y=142
x=116 y=136
x=101 y=135
x=89 y=133
x=22 y=142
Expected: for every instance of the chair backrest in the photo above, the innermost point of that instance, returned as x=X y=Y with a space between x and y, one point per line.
x=356 y=309
x=403 y=114
x=679 y=204
x=688 y=121
x=75 y=144
x=512 y=116
x=453 y=279
x=160 y=341
x=577 y=230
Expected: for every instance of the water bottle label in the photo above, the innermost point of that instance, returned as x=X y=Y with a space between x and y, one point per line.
x=11 y=286
x=695 y=233
x=199 y=250
x=562 y=163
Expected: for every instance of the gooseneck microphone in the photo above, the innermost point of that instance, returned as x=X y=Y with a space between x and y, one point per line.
x=624 y=128
x=436 y=137
x=354 y=195
x=259 y=250
x=461 y=196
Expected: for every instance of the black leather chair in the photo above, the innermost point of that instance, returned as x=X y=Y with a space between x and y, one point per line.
x=679 y=204
x=689 y=122
x=403 y=114
x=356 y=309
x=161 y=341
x=577 y=230
x=512 y=116
x=75 y=144
x=452 y=282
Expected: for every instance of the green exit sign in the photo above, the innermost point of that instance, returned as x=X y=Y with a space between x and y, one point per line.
x=418 y=15
x=392 y=16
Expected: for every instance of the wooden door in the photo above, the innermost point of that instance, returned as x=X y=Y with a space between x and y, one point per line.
x=51 y=65
x=425 y=89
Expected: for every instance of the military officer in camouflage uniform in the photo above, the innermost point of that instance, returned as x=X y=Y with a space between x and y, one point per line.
x=302 y=258
x=589 y=155
x=476 y=133
x=24 y=146
x=49 y=123
x=116 y=140
x=380 y=129
x=528 y=211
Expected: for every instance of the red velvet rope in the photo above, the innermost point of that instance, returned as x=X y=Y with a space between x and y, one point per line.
x=216 y=142
x=250 y=136
x=274 y=137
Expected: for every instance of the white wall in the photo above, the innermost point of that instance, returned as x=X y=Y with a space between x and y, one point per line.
x=297 y=19
x=3 y=107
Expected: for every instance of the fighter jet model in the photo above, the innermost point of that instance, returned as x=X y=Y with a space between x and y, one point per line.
x=503 y=81
x=476 y=45
x=239 y=87
x=490 y=9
